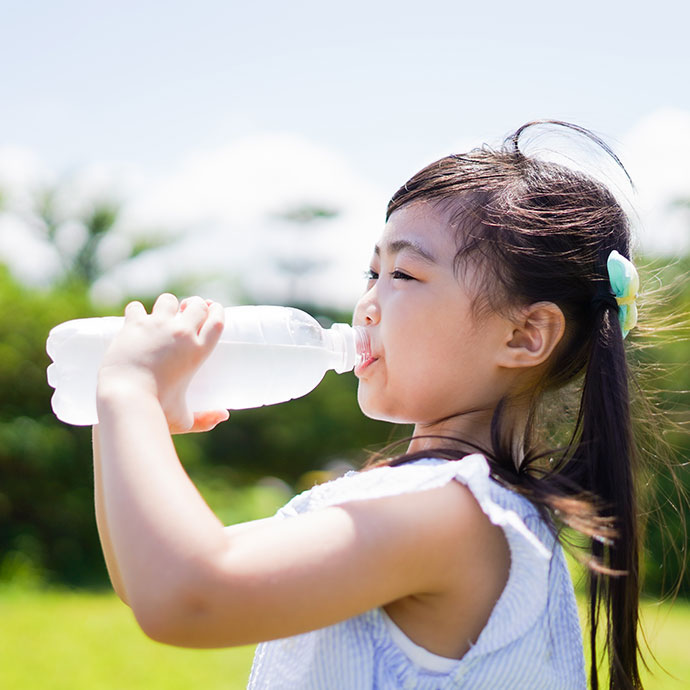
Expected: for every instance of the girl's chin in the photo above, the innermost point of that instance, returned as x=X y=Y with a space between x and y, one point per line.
x=369 y=409
x=379 y=413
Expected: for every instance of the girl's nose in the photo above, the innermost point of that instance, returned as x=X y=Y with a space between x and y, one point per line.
x=367 y=312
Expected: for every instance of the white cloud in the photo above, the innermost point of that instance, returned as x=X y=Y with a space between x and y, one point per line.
x=225 y=202
x=21 y=173
x=657 y=154
x=221 y=208
x=32 y=260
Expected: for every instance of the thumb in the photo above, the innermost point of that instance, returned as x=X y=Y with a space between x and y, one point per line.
x=205 y=421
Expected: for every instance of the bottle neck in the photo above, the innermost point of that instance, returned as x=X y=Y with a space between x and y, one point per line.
x=350 y=343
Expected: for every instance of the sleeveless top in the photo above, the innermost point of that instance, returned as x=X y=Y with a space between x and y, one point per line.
x=532 y=640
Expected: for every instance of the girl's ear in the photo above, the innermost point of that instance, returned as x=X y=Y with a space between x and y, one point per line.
x=536 y=331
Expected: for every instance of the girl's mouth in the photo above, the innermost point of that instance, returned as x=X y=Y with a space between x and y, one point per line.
x=364 y=364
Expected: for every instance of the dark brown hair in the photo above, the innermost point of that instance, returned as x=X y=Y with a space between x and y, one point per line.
x=540 y=231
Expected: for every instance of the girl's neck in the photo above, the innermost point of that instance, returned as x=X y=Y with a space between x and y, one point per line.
x=472 y=428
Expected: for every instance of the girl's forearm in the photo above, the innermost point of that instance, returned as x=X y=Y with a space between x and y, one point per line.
x=102 y=521
x=163 y=534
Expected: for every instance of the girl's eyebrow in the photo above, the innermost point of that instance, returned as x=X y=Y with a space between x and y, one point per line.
x=396 y=246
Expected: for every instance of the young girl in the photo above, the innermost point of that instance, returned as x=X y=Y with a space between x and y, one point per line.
x=497 y=278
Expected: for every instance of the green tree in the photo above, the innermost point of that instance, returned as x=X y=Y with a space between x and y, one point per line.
x=665 y=378
x=82 y=264
x=47 y=526
x=46 y=519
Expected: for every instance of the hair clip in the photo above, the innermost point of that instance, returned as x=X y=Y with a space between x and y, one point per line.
x=625 y=284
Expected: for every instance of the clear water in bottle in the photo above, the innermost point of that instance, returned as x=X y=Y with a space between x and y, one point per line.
x=265 y=355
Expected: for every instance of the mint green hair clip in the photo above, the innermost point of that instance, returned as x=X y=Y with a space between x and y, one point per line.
x=625 y=284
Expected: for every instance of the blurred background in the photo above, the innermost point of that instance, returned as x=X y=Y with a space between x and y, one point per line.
x=246 y=152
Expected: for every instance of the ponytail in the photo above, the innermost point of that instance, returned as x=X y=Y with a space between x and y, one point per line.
x=603 y=463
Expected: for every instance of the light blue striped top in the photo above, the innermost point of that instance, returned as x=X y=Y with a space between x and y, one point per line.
x=532 y=640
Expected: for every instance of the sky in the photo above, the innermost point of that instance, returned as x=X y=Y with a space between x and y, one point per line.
x=209 y=120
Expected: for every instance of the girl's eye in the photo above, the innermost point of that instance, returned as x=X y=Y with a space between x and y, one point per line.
x=399 y=275
x=371 y=274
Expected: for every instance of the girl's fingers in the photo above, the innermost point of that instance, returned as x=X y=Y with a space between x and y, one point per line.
x=166 y=304
x=193 y=311
x=203 y=421
x=185 y=302
x=134 y=311
x=210 y=331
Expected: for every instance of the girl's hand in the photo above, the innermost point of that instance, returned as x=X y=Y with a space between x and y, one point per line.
x=159 y=353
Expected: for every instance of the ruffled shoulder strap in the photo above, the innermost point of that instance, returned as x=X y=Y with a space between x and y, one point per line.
x=531 y=544
x=378 y=482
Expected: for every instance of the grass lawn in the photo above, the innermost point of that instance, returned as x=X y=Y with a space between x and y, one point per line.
x=667 y=628
x=84 y=641
x=65 y=641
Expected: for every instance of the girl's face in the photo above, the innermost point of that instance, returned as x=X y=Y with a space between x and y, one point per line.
x=432 y=361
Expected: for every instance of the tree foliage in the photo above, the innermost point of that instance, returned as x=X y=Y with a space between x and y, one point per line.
x=46 y=518
x=76 y=234
x=664 y=379
x=47 y=522
x=47 y=526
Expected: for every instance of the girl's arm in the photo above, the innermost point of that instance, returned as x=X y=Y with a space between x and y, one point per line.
x=102 y=521
x=201 y=423
x=191 y=582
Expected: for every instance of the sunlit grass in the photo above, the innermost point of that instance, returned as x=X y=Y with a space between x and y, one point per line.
x=86 y=641
x=65 y=641
x=665 y=640
x=667 y=630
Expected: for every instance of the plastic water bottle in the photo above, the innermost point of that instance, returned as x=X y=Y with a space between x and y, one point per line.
x=265 y=355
